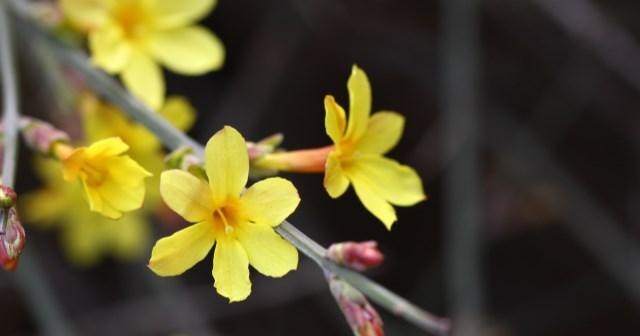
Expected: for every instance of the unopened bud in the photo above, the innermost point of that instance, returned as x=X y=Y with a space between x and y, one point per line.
x=41 y=136
x=184 y=159
x=12 y=239
x=265 y=146
x=7 y=197
x=361 y=316
x=357 y=255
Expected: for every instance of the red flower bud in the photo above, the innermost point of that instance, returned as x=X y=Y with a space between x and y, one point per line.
x=12 y=240
x=359 y=256
x=361 y=316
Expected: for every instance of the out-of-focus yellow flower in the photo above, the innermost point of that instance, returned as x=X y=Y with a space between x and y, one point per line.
x=358 y=156
x=102 y=120
x=86 y=236
x=241 y=223
x=130 y=38
x=113 y=182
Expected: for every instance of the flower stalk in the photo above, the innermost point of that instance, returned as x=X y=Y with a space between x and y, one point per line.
x=174 y=139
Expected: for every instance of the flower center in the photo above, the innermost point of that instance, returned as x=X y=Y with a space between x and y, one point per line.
x=94 y=175
x=225 y=219
x=133 y=20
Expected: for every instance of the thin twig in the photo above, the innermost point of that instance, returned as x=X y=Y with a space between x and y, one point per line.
x=460 y=108
x=174 y=139
x=593 y=226
x=584 y=21
x=29 y=279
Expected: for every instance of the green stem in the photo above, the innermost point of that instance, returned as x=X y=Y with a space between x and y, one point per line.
x=174 y=139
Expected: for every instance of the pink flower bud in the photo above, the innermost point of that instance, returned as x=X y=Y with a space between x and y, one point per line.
x=12 y=240
x=359 y=256
x=41 y=136
x=361 y=316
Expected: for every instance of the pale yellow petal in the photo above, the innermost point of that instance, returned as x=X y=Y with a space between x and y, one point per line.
x=109 y=48
x=383 y=133
x=374 y=202
x=177 y=253
x=268 y=252
x=335 y=181
x=179 y=112
x=177 y=13
x=189 y=51
x=143 y=77
x=231 y=270
x=359 y=103
x=85 y=14
x=107 y=147
x=396 y=183
x=187 y=195
x=270 y=201
x=334 y=120
x=227 y=164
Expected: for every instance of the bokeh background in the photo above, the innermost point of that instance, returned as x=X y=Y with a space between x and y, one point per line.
x=522 y=120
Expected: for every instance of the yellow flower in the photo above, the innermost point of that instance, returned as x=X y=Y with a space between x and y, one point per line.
x=358 y=156
x=241 y=223
x=113 y=183
x=86 y=236
x=130 y=38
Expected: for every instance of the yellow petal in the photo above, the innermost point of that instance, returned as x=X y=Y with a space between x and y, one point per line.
x=97 y=204
x=270 y=201
x=334 y=119
x=179 y=112
x=373 y=202
x=81 y=242
x=396 y=183
x=231 y=270
x=121 y=197
x=129 y=237
x=125 y=171
x=177 y=253
x=109 y=48
x=107 y=147
x=227 y=164
x=187 y=195
x=359 y=103
x=176 y=13
x=143 y=77
x=335 y=181
x=268 y=252
x=189 y=51
x=43 y=207
x=85 y=14
x=383 y=133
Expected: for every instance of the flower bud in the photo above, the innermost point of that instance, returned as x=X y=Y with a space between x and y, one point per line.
x=361 y=316
x=184 y=159
x=12 y=239
x=7 y=197
x=41 y=136
x=359 y=256
x=265 y=146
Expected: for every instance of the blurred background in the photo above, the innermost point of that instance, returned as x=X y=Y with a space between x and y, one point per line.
x=522 y=120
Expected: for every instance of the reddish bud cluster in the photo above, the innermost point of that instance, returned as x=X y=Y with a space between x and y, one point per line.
x=357 y=255
x=361 y=316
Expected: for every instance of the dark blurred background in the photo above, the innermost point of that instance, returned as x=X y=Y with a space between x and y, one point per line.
x=522 y=120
